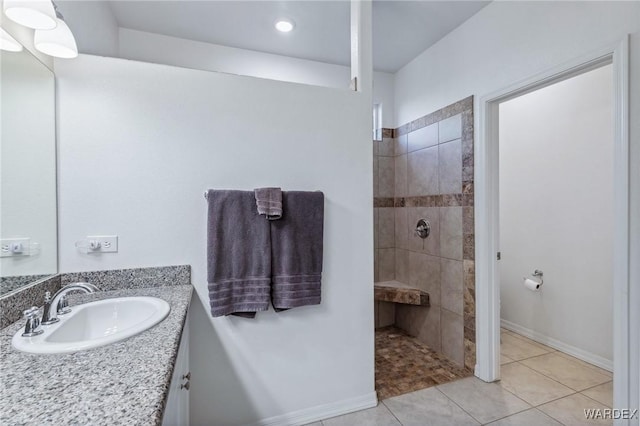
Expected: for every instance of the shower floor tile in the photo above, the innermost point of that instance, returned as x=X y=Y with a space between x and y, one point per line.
x=403 y=364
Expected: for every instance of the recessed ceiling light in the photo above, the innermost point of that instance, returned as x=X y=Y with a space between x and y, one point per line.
x=285 y=25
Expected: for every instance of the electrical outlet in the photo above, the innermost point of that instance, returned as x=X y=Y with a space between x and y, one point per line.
x=103 y=243
x=12 y=247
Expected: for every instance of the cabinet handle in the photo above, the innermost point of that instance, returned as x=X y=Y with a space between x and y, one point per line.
x=187 y=376
x=185 y=386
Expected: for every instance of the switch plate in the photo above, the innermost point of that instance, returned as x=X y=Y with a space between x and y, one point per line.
x=8 y=247
x=105 y=243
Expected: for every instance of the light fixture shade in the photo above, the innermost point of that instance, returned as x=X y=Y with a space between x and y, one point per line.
x=36 y=14
x=58 y=42
x=9 y=43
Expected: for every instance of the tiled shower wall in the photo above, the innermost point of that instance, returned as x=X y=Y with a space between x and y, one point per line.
x=426 y=171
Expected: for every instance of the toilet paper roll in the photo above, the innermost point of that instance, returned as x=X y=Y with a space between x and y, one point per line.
x=532 y=285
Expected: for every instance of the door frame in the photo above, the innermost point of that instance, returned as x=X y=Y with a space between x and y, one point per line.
x=487 y=209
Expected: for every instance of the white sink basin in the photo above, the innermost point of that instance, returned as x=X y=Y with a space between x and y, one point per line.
x=95 y=324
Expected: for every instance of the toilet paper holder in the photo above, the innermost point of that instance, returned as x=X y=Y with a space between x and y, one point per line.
x=538 y=274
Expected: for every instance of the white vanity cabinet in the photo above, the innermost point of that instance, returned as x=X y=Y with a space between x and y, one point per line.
x=176 y=412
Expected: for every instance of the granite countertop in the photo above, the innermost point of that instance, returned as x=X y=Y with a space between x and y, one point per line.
x=124 y=383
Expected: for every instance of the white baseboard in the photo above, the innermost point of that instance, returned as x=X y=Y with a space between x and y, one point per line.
x=561 y=346
x=320 y=412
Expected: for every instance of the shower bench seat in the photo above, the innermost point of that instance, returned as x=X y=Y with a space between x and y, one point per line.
x=397 y=292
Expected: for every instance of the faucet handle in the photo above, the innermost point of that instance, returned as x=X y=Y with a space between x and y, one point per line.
x=47 y=297
x=32 y=327
x=31 y=312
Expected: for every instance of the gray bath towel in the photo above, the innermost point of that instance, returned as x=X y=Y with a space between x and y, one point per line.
x=269 y=202
x=296 y=250
x=238 y=255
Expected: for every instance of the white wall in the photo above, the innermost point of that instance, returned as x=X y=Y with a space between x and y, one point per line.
x=28 y=156
x=138 y=145
x=556 y=212
x=160 y=49
x=506 y=42
x=384 y=94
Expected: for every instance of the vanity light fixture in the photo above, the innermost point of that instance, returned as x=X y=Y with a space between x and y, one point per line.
x=58 y=42
x=36 y=14
x=285 y=25
x=8 y=43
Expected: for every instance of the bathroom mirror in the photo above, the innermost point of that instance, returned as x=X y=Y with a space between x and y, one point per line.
x=28 y=223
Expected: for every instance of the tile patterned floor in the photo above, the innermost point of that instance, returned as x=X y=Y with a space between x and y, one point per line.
x=403 y=364
x=540 y=386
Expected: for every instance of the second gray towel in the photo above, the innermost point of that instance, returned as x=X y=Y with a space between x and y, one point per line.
x=296 y=250
x=238 y=255
x=269 y=202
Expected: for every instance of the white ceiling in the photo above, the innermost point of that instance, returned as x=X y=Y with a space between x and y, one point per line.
x=401 y=29
x=404 y=29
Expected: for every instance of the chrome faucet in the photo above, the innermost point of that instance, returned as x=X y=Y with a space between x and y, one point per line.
x=57 y=305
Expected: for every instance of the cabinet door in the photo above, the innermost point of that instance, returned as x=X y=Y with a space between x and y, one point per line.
x=176 y=412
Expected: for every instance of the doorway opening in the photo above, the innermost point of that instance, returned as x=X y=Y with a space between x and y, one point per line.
x=556 y=243
x=488 y=225
x=423 y=240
